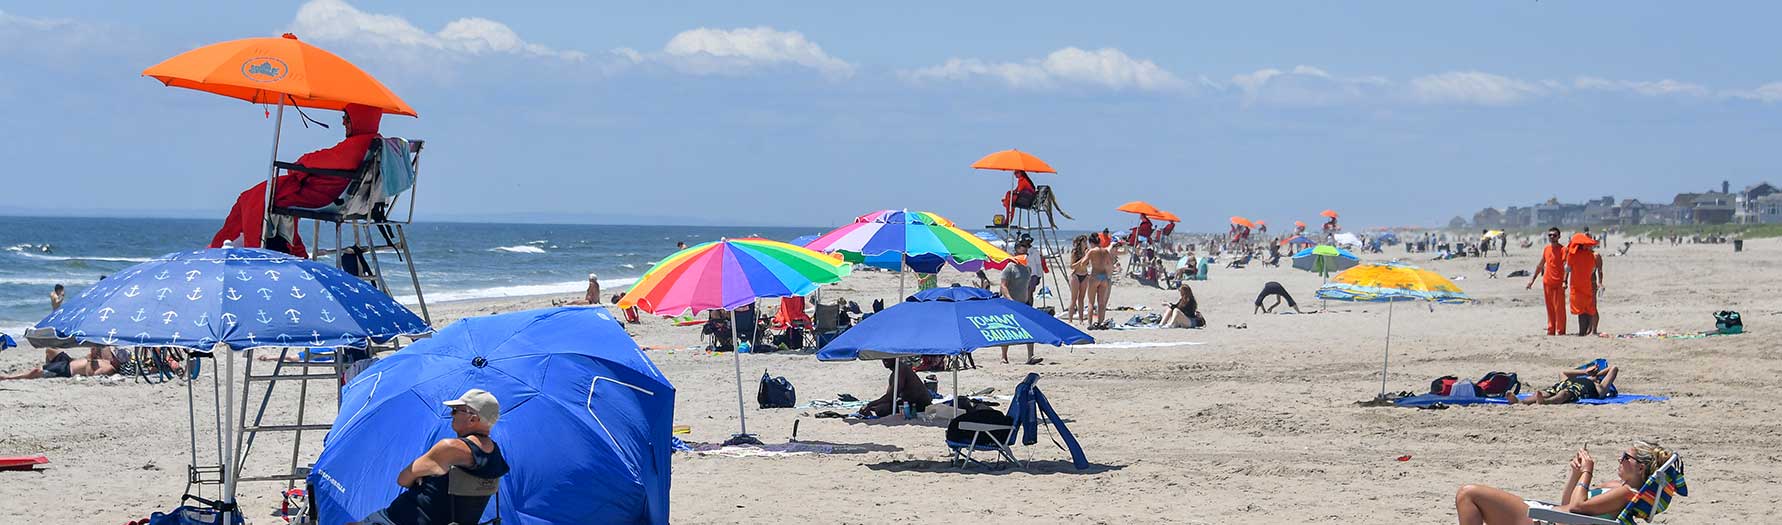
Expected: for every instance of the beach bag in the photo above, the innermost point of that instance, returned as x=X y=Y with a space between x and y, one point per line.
x=1442 y=385
x=776 y=392
x=193 y=515
x=1728 y=322
x=1498 y=384
x=353 y=262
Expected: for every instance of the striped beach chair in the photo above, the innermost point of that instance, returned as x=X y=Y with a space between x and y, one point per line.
x=1654 y=497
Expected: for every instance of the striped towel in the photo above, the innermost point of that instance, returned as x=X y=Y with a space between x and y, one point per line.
x=1656 y=494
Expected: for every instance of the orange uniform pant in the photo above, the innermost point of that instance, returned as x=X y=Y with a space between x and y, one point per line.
x=1583 y=299
x=1555 y=295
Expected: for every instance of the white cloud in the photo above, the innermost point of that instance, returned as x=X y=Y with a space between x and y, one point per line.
x=1647 y=88
x=1771 y=92
x=1305 y=86
x=1472 y=87
x=707 y=51
x=1105 y=68
x=335 y=20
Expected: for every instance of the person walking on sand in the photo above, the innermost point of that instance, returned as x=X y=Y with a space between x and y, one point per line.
x=1017 y=279
x=1550 y=271
x=1585 y=275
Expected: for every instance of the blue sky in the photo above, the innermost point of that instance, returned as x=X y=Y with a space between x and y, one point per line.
x=805 y=113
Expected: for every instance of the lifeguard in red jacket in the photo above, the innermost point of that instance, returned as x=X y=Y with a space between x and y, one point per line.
x=298 y=189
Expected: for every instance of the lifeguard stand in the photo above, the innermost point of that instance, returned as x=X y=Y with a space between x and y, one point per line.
x=1035 y=219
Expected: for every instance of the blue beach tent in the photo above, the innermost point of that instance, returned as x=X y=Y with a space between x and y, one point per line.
x=586 y=419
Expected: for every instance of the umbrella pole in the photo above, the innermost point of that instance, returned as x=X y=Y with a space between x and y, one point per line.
x=1388 y=355
x=741 y=414
x=278 y=126
x=229 y=459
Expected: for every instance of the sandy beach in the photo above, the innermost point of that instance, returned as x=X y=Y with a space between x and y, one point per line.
x=1217 y=425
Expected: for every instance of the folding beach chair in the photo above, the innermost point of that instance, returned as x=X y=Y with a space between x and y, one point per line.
x=828 y=323
x=1654 y=497
x=1491 y=269
x=1240 y=263
x=793 y=326
x=988 y=431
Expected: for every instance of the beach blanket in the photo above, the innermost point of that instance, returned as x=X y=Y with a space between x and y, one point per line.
x=1662 y=334
x=831 y=404
x=757 y=451
x=1427 y=400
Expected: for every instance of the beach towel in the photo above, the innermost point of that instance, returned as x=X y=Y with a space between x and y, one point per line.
x=1428 y=400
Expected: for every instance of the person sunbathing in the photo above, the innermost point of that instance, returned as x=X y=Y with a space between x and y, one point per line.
x=1592 y=382
x=56 y=363
x=1484 y=505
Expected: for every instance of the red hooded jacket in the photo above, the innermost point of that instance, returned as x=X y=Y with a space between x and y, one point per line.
x=299 y=189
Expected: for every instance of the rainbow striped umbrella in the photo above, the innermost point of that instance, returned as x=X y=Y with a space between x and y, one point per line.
x=886 y=238
x=726 y=274
x=723 y=275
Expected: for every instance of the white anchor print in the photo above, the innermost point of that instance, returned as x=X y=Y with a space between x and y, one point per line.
x=297 y=294
x=315 y=338
x=105 y=313
x=193 y=274
x=134 y=291
x=306 y=276
x=203 y=319
x=272 y=274
x=163 y=275
x=325 y=316
x=292 y=313
x=229 y=319
x=161 y=294
x=139 y=315
x=232 y=295
x=111 y=336
x=167 y=316
x=265 y=294
x=196 y=294
x=243 y=276
x=262 y=318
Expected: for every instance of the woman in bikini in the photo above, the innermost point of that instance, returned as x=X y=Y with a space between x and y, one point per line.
x=1483 y=505
x=1079 y=277
x=1592 y=382
x=1101 y=282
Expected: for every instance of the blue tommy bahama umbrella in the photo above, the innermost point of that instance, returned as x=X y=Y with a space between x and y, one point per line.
x=239 y=297
x=586 y=419
x=949 y=321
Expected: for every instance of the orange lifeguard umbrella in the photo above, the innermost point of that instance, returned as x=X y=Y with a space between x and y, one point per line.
x=1240 y=221
x=1328 y=213
x=1260 y=224
x=1145 y=209
x=1299 y=224
x=280 y=70
x=1013 y=160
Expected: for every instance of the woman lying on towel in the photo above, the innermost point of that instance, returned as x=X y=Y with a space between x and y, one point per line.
x=1595 y=381
x=1481 y=505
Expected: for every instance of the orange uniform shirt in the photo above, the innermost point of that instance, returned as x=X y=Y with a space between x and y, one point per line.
x=1553 y=273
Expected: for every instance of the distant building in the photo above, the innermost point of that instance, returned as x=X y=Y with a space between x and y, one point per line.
x=1599 y=212
x=1705 y=208
x=1457 y=223
x=1747 y=202
x=1768 y=208
x=1488 y=218
x=1629 y=212
x=1518 y=217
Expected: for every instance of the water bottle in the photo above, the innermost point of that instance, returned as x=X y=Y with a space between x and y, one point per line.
x=909 y=412
x=743 y=347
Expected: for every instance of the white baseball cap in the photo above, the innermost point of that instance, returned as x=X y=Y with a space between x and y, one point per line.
x=480 y=402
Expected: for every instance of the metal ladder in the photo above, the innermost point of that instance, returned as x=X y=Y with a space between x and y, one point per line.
x=1045 y=239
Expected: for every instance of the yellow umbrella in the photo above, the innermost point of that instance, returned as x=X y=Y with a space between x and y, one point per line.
x=1390 y=283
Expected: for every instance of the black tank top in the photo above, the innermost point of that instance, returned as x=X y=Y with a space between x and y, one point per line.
x=460 y=496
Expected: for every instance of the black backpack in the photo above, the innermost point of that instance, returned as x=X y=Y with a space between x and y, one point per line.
x=776 y=392
x=1728 y=322
x=981 y=415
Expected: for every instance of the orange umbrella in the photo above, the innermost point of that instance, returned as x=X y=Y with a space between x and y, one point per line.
x=1240 y=221
x=277 y=71
x=1145 y=209
x=1328 y=213
x=1299 y=224
x=1260 y=224
x=1013 y=160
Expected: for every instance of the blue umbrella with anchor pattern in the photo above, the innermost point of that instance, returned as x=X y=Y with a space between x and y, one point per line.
x=239 y=297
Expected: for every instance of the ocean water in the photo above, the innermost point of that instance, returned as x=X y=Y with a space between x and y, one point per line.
x=455 y=261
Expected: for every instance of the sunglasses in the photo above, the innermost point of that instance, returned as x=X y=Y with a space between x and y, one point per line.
x=1625 y=457
x=467 y=411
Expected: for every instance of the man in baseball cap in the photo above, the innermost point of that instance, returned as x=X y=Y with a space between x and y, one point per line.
x=453 y=481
